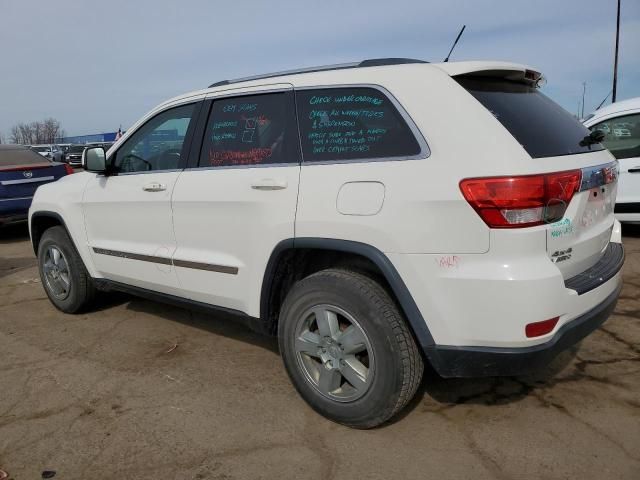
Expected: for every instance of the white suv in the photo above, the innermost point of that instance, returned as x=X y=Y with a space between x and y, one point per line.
x=375 y=216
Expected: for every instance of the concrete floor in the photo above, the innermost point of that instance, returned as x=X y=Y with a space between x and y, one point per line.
x=108 y=395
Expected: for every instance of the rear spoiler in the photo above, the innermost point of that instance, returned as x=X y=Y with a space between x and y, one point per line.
x=509 y=71
x=27 y=166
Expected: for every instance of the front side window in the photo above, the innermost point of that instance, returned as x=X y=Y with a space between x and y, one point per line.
x=621 y=135
x=251 y=130
x=157 y=145
x=350 y=124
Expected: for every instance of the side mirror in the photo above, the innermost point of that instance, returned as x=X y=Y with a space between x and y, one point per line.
x=94 y=160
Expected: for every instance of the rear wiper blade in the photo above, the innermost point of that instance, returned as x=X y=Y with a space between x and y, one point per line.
x=594 y=137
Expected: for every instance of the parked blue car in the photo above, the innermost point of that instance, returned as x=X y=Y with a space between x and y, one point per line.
x=22 y=171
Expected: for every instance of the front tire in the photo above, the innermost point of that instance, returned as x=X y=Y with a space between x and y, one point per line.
x=62 y=272
x=347 y=348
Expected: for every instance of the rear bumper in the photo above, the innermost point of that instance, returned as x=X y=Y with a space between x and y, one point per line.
x=604 y=270
x=451 y=361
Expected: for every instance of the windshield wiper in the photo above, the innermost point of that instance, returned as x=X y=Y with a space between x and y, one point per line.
x=594 y=137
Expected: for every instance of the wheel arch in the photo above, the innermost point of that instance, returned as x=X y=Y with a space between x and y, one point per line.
x=40 y=221
x=277 y=275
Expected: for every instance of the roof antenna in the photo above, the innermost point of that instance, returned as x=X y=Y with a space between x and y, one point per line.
x=605 y=99
x=455 y=43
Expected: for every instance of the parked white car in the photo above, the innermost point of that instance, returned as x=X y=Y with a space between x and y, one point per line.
x=620 y=123
x=374 y=216
x=52 y=152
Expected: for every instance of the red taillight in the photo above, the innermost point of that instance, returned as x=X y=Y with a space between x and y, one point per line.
x=522 y=201
x=540 y=328
x=69 y=169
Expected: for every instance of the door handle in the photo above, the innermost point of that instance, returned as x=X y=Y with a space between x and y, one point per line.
x=154 y=187
x=269 y=184
x=634 y=170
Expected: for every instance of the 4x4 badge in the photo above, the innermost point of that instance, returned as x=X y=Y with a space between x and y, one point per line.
x=561 y=255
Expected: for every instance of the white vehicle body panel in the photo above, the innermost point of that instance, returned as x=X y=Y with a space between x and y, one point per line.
x=64 y=198
x=238 y=228
x=120 y=216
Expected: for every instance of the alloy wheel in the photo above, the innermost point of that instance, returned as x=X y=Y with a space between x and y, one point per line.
x=334 y=353
x=56 y=273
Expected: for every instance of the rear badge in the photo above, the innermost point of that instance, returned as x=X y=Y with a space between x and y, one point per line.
x=561 y=255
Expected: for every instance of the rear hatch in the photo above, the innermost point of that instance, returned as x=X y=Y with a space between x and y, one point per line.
x=572 y=194
x=23 y=170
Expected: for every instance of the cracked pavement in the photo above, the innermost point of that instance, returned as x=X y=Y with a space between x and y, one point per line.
x=108 y=394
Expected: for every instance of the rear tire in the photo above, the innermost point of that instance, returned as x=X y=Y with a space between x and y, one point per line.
x=337 y=322
x=62 y=272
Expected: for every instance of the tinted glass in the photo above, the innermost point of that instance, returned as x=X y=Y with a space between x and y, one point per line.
x=541 y=126
x=41 y=149
x=21 y=156
x=251 y=130
x=158 y=144
x=350 y=124
x=621 y=135
x=77 y=148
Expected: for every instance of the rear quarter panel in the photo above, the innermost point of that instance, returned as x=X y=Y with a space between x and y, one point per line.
x=423 y=210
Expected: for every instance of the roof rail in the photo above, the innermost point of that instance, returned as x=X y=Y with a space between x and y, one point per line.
x=372 y=62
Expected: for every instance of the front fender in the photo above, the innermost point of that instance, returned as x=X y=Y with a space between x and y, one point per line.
x=60 y=203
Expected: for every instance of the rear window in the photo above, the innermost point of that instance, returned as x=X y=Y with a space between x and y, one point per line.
x=22 y=156
x=350 y=124
x=541 y=126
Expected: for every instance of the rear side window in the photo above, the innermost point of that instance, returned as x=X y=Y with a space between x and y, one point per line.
x=350 y=124
x=251 y=130
x=541 y=126
x=621 y=135
x=19 y=156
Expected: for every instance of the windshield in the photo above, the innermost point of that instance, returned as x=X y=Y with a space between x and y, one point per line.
x=76 y=148
x=541 y=126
